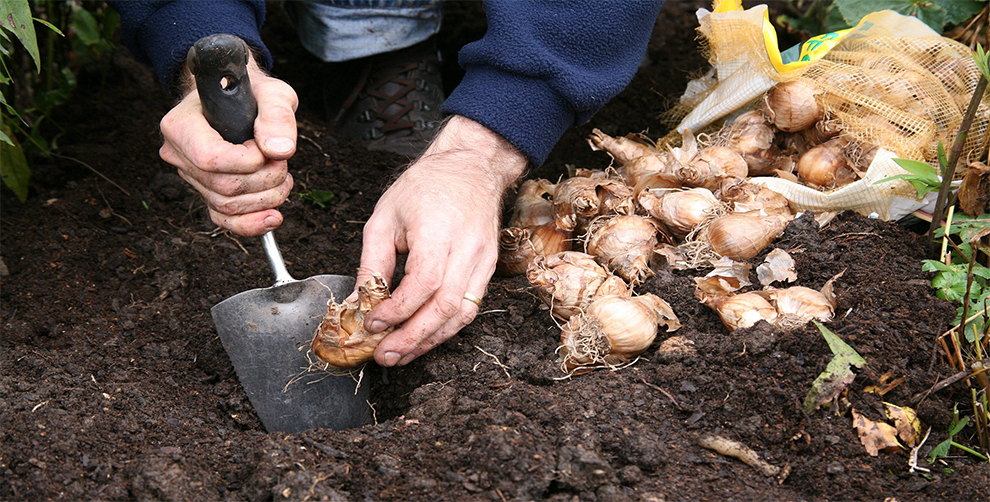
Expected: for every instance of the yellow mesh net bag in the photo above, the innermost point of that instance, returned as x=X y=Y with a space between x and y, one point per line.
x=891 y=81
x=905 y=94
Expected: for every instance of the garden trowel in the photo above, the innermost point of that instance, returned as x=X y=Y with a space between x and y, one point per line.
x=267 y=331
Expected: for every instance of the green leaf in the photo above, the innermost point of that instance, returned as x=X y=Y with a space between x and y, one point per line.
x=14 y=169
x=837 y=375
x=85 y=26
x=957 y=426
x=50 y=26
x=922 y=177
x=927 y=11
x=934 y=13
x=957 y=11
x=111 y=23
x=318 y=197
x=921 y=186
x=934 y=266
x=982 y=61
x=918 y=168
x=941 y=450
x=15 y=17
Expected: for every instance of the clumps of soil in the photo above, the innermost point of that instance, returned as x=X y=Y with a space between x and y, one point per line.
x=115 y=385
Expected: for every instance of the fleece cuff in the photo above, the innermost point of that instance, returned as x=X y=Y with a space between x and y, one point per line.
x=166 y=42
x=523 y=110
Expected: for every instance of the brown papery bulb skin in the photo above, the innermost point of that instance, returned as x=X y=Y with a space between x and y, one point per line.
x=341 y=340
x=568 y=281
x=615 y=198
x=576 y=196
x=745 y=197
x=793 y=106
x=826 y=166
x=624 y=244
x=752 y=137
x=534 y=205
x=515 y=251
x=741 y=236
x=683 y=211
x=517 y=247
x=622 y=149
x=711 y=166
x=613 y=330
x=636 y=170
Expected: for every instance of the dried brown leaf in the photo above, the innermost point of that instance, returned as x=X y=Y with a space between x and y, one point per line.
x=906 y=422
x=875 y=436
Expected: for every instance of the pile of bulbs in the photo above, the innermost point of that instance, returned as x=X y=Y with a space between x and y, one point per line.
x=587 y=241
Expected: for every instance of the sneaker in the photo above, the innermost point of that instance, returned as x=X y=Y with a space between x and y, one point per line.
x=389 y=102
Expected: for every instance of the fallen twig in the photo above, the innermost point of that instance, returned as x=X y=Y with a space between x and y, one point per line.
x=917 y=398
x=661 y=389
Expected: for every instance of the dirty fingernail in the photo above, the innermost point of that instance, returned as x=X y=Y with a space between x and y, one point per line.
x=279 y=145
x=378 y=327
x=271 y=222
x=391 y=359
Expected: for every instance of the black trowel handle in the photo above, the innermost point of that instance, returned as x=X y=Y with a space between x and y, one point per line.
x=219 y=63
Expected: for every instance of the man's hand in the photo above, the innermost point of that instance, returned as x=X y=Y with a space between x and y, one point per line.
x=242 y=184
x=444 y=211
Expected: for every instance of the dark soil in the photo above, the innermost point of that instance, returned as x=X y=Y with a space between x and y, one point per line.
x=115 y=385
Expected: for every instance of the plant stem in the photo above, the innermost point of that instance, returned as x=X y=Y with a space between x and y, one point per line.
x=945 y=236
x=970 y=451
x=949 y=170
x=980 y=419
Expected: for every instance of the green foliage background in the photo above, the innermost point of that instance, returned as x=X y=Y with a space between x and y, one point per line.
x=38 y=73
x=824 y=16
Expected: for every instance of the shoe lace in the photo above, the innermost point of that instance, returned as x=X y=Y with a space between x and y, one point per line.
x=395 y=117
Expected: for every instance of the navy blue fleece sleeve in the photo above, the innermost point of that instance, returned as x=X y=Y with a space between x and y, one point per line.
x=161 y=32
x=544 y=66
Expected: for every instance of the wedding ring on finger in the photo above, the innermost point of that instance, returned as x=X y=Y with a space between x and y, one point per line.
x=473 y=299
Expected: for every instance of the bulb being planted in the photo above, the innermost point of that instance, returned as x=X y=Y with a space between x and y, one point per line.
x=612 y=331
x=534 y=204
x=341 y=340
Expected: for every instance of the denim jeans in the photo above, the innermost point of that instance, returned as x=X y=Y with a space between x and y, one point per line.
x=342 y=30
